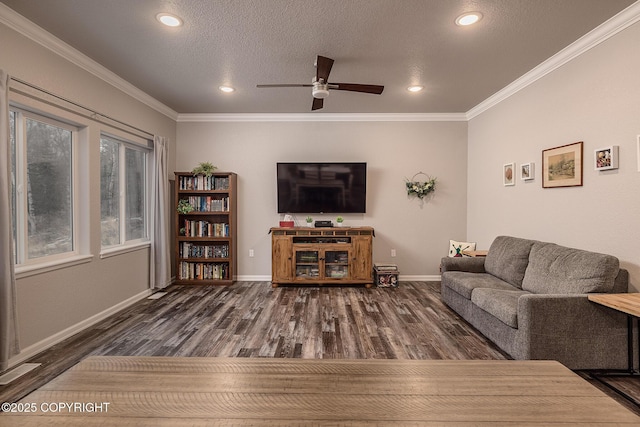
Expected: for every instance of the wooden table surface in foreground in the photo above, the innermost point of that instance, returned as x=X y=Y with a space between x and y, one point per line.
x=166 y=391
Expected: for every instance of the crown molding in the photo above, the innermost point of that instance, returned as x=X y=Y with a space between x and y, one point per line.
x=613 y=26
x=17 y=22
x=325 y=117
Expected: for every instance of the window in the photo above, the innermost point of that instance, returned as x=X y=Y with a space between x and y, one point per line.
x=43 y=172
x=123 y=191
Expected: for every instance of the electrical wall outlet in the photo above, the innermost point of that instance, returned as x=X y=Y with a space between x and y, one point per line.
x=393 y=252
x=250 y=253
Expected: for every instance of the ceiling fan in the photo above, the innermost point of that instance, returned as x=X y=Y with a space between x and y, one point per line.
x=321 y=85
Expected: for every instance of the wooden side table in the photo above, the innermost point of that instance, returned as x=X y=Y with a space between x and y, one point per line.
x=630 y=305
x=479 y=253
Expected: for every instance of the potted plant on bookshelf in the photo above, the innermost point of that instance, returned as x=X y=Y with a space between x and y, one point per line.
x=339 y=221
x=309 y=221
x=204 y=168
x=184 y=207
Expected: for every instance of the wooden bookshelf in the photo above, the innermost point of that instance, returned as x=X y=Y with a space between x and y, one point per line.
x=206 y=237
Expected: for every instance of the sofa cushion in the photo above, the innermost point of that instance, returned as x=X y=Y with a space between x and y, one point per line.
x=555 y=269
x=464 y=283
x=500 y=303
x=507 y=259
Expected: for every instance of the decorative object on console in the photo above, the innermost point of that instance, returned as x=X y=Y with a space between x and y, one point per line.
x=508 y=175
x=339 y=221
x=562 y=166
x=309 y=221
x=606 y=158
x=204 y=168
x=527 y=171
x=456 y=248
x=287 y=221
x=420 y=189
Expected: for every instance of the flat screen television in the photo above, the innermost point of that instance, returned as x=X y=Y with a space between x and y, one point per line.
x=322 y=187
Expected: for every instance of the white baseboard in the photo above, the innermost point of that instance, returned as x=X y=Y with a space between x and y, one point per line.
x=419 y=278
x=36 y=348
x=406 y=278
x=255 y=278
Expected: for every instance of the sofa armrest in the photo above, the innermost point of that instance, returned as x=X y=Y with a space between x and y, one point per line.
x=468 y=264
x=571 y=329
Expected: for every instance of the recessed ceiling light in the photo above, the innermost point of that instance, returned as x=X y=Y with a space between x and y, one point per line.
x=415 y=88
x=169 y=20
x=226 y=89
x=468 y=18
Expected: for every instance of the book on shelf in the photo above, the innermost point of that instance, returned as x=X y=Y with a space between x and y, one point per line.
x=203 y=183
x=203 y=271
x=194 y=228
x=209 y=203
x=191 y=250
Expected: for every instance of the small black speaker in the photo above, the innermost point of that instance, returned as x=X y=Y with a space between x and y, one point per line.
x=324 y=224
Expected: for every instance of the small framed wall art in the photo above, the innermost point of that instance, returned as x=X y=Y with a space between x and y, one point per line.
x=508 y=174
x=527 y=171
x=562 y=166
x=606 y=158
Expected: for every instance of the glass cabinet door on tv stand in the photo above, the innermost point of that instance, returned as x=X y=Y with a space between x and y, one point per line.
x=314 y=264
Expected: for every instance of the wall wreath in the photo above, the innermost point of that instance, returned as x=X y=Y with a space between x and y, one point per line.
x=420 y=189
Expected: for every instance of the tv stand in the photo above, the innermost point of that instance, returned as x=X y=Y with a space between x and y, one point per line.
x=317 y=256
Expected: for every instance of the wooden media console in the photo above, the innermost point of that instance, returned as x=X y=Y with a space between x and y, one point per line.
x=316 y=256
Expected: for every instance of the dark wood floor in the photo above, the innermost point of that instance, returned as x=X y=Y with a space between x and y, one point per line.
x=252 y=319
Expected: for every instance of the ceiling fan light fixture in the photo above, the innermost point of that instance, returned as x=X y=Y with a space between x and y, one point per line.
x=320 y=93
x=416 y=88
x=469 y=18
x=169 y=20
x=226 y=89
x=320 y=90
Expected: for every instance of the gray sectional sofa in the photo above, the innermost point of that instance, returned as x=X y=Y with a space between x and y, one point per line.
x=530 y=298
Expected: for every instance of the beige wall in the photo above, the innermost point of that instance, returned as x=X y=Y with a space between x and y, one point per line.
x=393 y=151
x=53 y=303
x=596 y=99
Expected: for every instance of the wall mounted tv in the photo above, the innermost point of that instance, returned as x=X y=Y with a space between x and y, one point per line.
x=322 y=187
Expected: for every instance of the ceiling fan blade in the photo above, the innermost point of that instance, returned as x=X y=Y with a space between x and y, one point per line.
x=323 y=67
x=318 y=103
x=354 y=87
x=286 y=85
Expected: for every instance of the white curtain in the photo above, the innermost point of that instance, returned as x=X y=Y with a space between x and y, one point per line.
x=9 y=344
x=160 y=273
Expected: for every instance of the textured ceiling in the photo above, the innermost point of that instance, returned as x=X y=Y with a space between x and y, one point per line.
x=395 y=43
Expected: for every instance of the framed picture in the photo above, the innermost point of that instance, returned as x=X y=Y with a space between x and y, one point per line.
x=606 y=158
x=562 y=166
x=527 y=171
x=508 y=174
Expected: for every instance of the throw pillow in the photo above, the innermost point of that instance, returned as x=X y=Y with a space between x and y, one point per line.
x=456 y=248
